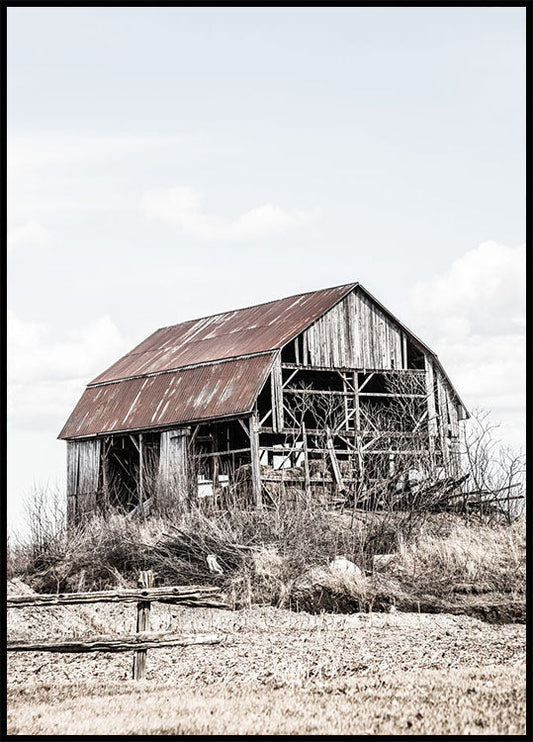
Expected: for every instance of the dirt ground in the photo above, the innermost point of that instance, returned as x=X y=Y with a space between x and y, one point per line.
x=276 y=671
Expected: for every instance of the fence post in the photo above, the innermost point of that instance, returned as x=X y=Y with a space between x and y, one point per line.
x=146 y=579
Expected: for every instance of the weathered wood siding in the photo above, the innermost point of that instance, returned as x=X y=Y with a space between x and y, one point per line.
x=83 y=472
x=173 y=461
x=354 y=334
x=277 y=395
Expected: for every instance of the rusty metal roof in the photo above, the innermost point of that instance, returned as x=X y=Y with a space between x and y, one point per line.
x=257 y=329
x=201 y=369
x=209 y=391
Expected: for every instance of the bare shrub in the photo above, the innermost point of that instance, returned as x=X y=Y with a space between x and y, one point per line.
x=497 y=473
x=45 y=518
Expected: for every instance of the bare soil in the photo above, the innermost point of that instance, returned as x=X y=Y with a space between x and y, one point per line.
x=277 y=671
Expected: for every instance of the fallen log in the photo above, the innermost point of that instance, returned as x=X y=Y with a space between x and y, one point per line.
x=193 y=595
x=115 y=643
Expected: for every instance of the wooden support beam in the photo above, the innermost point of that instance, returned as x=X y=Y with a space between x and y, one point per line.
x=432 y=414
x=289 y=411
x=256 y=466
x=141 y=472
x=221 y=453
x=192 y=437
x=349 y=369
x=347 y=383
x=291 y=377
x=365 y=382
x=346 y=410
x=276 y=387
x=358 y=437
x=306 y=463
x=134 y=443
x=146 y=580
x=265 y=418
x=443 y=423
x=105 y=447
x=347 y=442
x=334 y=462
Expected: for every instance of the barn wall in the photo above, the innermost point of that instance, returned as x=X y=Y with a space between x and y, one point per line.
x=173 y=460
x=83 y=472
x=354 y=334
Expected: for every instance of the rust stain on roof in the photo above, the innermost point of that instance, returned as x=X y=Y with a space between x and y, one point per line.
x=178 y=397
x=257 y=329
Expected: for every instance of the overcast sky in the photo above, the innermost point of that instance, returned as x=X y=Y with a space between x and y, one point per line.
x=169 y=163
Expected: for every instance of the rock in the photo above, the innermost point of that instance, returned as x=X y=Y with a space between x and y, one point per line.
x=341 y=564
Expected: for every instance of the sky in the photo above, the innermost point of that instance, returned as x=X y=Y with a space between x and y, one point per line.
x=170 y=163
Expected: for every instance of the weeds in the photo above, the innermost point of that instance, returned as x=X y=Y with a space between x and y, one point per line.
x=281 y=557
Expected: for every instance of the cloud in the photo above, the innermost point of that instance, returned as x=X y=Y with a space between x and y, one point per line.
x=30 y=234
x=46 y=376
x=36 y=151
x=473 y=317
x=483 y=293
x=56 y=174
x=180 y=207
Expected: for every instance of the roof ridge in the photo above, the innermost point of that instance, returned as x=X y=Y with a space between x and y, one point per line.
x=261 y=304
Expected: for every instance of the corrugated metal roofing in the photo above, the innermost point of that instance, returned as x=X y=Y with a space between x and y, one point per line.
x=204 y=392
x=154 y=384
x=257 y=329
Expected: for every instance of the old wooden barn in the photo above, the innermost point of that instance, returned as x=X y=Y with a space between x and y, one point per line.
x=324 y=393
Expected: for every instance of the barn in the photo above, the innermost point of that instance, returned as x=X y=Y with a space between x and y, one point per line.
x=325 y=393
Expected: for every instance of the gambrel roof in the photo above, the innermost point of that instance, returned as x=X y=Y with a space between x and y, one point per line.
x=201 y=369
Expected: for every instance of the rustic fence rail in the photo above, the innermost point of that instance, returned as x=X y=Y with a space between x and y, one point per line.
x=115 y=643
x=197 y=596
x=190 y=595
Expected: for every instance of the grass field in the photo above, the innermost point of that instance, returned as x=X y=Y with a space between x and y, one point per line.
x=463 y=701
x=279 y=672
x=355 y=655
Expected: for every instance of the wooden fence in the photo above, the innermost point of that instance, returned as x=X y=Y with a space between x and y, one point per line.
x=144 y=595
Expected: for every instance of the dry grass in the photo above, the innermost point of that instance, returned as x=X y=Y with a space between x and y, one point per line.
x=490 y=559
x=281 y=558
x=285 y=673
x=489 y=701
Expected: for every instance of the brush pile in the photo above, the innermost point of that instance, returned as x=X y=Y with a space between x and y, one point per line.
x=181 y=556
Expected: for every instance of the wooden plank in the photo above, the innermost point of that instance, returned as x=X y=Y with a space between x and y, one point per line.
x=135 y=443
x=176 y=594
x=307 y=475
x=443 y=423
x=365 y=382
x=115 y=643
x=432 y=421
x=334 y=462
x=230 y=452
x=141 y=482
x=359 y=367
x=276 y=384
x=291 y=377
x=256 y=467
